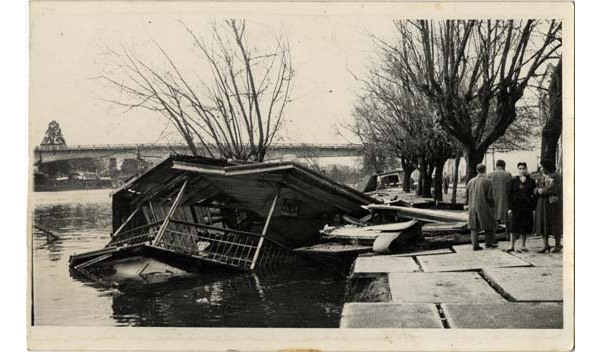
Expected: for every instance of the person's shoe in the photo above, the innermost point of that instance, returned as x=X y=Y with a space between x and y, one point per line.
x=493 y=245
x=478 y=248
x=544 y=250
x=557 y=249
x=509 y=250
x=524 y=250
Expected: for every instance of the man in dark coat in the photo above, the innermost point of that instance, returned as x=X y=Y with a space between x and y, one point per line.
x=480 y=202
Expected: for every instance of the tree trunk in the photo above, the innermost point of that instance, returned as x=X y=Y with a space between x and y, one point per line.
x=190 y=142
x=408 y=169
x=437 y=181
x=455 y=177
x=553 y=127
x=473 y=158
x=422 y=172
x=427 y=180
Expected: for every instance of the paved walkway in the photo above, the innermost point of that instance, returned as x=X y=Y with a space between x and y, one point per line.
x=460 y=288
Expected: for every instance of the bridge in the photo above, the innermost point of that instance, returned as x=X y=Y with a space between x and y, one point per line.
x=50 y=153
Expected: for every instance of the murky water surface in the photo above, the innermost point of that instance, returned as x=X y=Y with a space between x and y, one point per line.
x=302 y=297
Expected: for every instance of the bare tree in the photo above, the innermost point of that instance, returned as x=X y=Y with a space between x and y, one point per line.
x=403 y=121
x=235 y=112
x=474 y=72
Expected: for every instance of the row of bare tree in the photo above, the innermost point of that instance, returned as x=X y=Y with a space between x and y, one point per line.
x=439 y=89
x=452 y=88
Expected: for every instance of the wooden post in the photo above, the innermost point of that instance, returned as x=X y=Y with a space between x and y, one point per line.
x=163 y=226
x=126 y=222
x=265 y=228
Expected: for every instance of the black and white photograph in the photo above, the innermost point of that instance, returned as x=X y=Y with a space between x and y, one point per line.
x=311 y=175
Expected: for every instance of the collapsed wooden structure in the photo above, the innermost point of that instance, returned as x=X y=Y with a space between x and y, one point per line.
x=190 y=213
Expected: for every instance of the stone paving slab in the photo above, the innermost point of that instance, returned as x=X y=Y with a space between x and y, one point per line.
x=504 y=316
x=384 y=264
x=535 y=284
x=469 y=260
x=428 y=252
x=537 y=259
x=390 y=315
x=466 y=287
x=533 y=243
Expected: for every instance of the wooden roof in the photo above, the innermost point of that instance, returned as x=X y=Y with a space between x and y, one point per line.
x=250 y=186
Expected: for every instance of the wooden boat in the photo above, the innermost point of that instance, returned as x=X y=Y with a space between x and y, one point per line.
x=192 y=213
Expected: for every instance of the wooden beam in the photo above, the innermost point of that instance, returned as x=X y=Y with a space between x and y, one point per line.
x=126 y=222
x=165 y=223
x=265 y=228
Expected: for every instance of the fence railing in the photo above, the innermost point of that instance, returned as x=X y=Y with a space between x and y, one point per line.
x=136 y=235
x=224 y=246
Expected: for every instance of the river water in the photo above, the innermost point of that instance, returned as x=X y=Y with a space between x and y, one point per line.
x=303 y=297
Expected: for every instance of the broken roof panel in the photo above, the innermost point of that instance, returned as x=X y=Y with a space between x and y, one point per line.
x=251 y=185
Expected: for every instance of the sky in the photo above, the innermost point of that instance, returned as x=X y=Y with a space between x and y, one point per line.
x=69 y=42
x=330 y=45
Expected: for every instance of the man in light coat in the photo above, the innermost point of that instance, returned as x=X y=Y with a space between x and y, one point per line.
x=500 y=184
x=480 y=202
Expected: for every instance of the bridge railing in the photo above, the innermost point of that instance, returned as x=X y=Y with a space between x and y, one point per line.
x=50 y=148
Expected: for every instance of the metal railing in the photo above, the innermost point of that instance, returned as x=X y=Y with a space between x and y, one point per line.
x=75 y=147
x=227 y=247
x=136 y=235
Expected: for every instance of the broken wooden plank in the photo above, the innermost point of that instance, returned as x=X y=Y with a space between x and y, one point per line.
x=397 y=233
x=334 y=248
x=393 y=227
x=428 y=215
x=50 y=236
x=445 y=227
x=352 y=221
x=392 y=242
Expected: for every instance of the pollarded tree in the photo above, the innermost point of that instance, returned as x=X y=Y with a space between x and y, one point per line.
x=475 y=72
x=405 y=123
x=553 y=126
x=233 y=111
x=53 y=135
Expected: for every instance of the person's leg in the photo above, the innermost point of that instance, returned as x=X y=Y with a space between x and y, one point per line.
x=508 y=226
x=546 y=247
x=557 y=244
x=490 y=239
x=513 y=239
x=475 y=240
x=524 y=243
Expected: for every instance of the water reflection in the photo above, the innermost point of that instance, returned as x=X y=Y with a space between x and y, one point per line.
x=235 y=300
x=299 y=297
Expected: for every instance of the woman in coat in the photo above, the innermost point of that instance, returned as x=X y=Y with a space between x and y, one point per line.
x=548 y=211
x=521 y=202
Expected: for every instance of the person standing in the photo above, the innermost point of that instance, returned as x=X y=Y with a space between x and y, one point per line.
x=548 y=211
x=521 y=202
x=501 y=180
x=480 y=203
